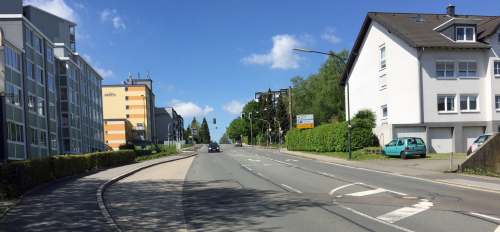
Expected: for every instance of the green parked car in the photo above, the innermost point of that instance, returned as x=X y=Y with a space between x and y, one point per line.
x=404 y=147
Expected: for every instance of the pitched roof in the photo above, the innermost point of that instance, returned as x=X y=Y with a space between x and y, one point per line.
x=423 y=34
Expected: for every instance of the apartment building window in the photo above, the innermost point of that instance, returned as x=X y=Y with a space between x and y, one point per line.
x=496 y=68
x=384 y=111
x=11 y=58
x=128 y=116
x=15 y=132
x=65 y=120
x=30 y=69
x=53 y=140
x=445 y=68
x=70 y=95
x=28 y=36
x=43 y=136
x=51 y=82
x=41 y=108
x=64 y=94
x=383 y=81
x=446 y=103
x=382 y=57
x=49 y=54
x=34 y=139
x=126 y=89
x=13 y=95
x=38 y=44
x=31 y=103
x=465 y=34
x=39 y=75
x=468 y=102
x=52 y=111
x=497 y=102
x=126 y=98
x=127 y=107
x=467 y=69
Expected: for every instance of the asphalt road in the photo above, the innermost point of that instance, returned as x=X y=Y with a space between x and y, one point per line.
x=248 y=189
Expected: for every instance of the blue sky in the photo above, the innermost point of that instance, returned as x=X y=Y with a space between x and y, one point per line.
x=208 y=58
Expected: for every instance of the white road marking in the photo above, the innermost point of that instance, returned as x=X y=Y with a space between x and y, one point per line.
x=254 y=160
x=341 y=187
x=485 y=216
x=290 y=160
x=366 y=193
x=405 y=212
x=376 y=219
x=384 y=189
x=497 y=229
x=292 y=188
x=327 y=174
x=262 y=175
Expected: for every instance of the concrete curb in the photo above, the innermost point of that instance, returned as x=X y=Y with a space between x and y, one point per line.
x=398 y=174
x=9 y=208
x=103 y=187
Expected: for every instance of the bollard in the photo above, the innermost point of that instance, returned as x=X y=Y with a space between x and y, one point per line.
x=451 y=161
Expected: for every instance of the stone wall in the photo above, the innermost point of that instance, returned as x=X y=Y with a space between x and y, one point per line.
x=487 y=156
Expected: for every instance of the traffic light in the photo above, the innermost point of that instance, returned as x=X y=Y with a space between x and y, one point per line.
x=214 y=120
x=242 y=115
x=250 y=115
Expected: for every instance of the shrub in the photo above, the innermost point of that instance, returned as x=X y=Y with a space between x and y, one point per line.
x=127 y=146
x=18 y=177
x=368 y=114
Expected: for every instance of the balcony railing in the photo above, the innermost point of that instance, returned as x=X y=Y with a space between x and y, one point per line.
x=138 y=137
x=137 y=128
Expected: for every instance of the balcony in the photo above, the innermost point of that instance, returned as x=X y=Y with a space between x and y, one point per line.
x=137 y=128
x=138 y=137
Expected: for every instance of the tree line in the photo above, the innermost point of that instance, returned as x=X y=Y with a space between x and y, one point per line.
x=203 y=131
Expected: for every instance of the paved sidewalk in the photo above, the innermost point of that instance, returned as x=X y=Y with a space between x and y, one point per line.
x=69 y=204
x=151 y=199
x=427 y=169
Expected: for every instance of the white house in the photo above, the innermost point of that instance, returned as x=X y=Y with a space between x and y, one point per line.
x=435 y=76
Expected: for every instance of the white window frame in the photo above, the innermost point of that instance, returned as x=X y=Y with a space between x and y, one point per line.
x=446 y=96
x=467 y=75
x=385 y=57
x=468 y=102
x=497 y=103
x=383 y=77
x=465 y=34
x=445 y=70
x=496 y=68
x=35 y=101
x=382 y=112
x=40 y=102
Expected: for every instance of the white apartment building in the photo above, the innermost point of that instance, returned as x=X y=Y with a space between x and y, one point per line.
x=434 y=76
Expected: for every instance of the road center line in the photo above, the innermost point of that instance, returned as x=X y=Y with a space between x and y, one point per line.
x=292 y=188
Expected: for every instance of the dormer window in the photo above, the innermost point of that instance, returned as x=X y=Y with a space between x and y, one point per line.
x=466 y=34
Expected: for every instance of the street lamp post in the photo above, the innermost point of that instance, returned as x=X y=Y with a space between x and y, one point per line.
x=347 y=86
x=279 y=125
x=269 y=128
x=144 y=122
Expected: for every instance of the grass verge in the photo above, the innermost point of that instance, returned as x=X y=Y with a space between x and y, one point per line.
x=480 y=172
x=154 y=156
x=363 y=155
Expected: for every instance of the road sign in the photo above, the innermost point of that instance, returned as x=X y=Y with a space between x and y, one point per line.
x=305 y=122
x=194 y=131
x=303 y=126
x=281 y=133
x=305 y=117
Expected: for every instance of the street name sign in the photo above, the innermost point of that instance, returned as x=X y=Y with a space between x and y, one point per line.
x=304 y=126
x=305 y=117
x=305 y=122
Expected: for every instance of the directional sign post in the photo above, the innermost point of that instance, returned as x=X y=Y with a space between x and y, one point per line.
x=305 y=121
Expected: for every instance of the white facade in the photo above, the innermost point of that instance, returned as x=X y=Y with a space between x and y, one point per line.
x=394 y=93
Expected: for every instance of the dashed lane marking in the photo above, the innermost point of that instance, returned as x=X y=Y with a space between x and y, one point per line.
x=405 y=212
x=262 y=175
x=291 y=188
x=376 y=219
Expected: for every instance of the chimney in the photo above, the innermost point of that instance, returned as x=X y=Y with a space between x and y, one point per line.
x=129 y=79
x=450 y=11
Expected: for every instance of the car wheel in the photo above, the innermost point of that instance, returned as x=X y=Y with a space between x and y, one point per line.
x=403 y=155
x=423 y=155
x=383 y=153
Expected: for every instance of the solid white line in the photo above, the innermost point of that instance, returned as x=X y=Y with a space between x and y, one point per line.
x=366 y=193
x=292 y=188
x=331 y=192
x=399 y=214
x=375 y=219
x=485 y=216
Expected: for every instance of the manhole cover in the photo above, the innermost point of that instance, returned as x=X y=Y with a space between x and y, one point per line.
x=409 y=197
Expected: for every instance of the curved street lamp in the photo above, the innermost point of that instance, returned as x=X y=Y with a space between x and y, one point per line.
x=347 y=86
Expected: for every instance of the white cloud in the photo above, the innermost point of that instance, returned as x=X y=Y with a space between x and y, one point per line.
x=189 y=109
x=105 y=74
x=281 y=55
x=57 y=7
x=233 y=107
x=79 y=5
x=107 y=15
x=328 y=35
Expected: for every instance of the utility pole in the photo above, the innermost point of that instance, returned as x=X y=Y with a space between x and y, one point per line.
x=251 y=128
x=290 y=105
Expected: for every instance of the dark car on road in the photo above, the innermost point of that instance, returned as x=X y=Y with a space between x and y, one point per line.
x=238 y=144
x=213 y=147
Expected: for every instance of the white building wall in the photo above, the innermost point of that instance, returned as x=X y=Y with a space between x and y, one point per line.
x=494 y=81
x=401 y=94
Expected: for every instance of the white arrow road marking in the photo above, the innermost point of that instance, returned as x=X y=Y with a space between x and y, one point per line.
x=341 y=187
x=254 y=160
x=366 y=193
x=292 y=188
x=405 y=212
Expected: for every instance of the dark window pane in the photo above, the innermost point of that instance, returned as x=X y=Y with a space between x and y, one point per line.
x=441 y=103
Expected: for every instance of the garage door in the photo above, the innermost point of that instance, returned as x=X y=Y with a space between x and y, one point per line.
x=440 y=139
x=416 y=131
x=469 y=134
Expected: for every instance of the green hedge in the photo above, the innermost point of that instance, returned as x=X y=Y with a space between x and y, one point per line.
x=18 y=177
x=331 y=137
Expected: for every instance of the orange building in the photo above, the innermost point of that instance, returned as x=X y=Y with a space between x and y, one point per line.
x=117 y=132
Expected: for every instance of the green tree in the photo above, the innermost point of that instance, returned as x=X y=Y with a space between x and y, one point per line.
x=367 y=114
x=187 y=133
x=204 y=134
x=269 y=110
x=281 y=114
x=225 y=139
